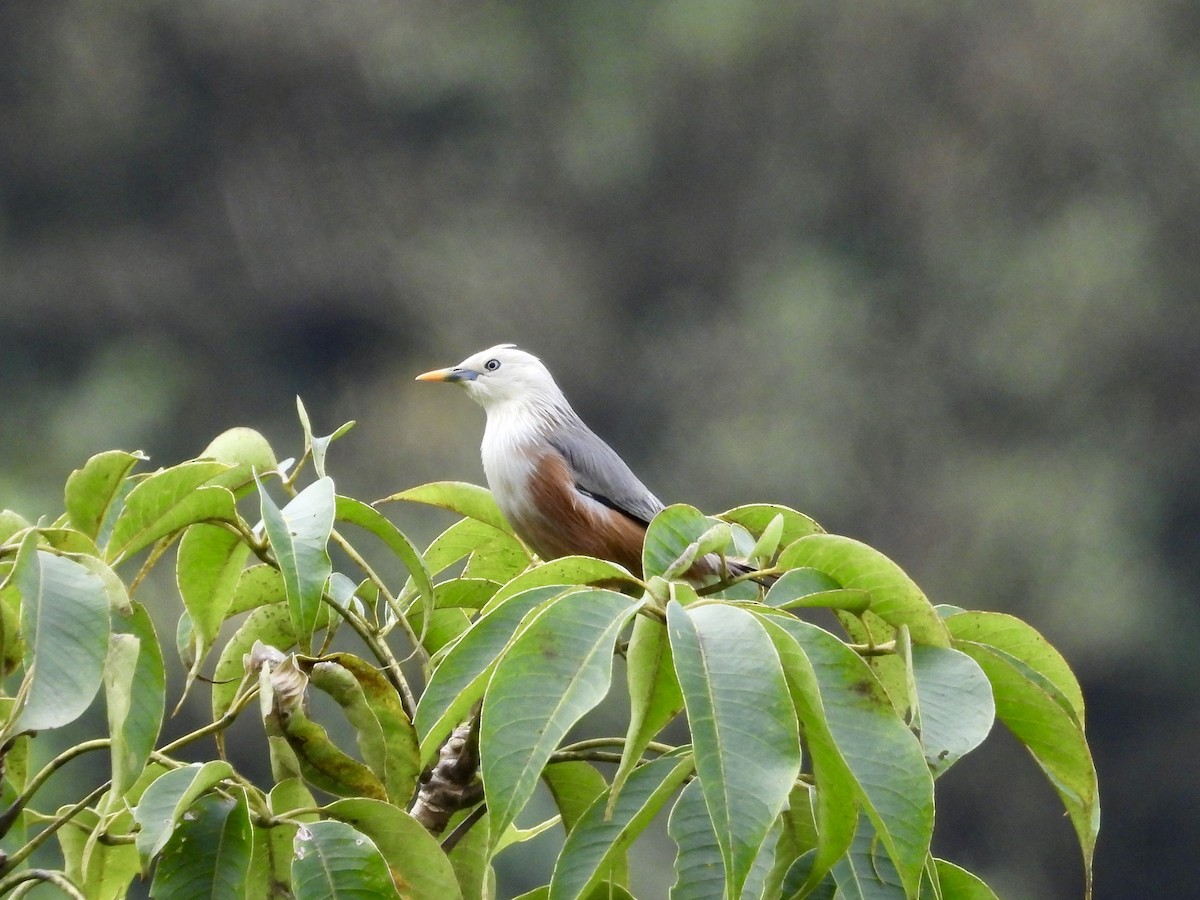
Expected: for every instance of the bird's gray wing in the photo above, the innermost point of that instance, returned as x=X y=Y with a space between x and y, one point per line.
x=601 y=474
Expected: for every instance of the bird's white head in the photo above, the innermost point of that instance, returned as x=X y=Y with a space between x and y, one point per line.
x=501 y=376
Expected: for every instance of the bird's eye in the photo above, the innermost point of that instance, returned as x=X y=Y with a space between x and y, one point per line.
x=492 y=365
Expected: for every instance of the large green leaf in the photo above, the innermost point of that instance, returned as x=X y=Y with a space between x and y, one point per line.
x=890 y=777
x=462 y=676
x=856 y=566
x=654 y=695
x=209 y=563
x=247 y=451
x=104 y=868
x=95 y=492
x=271 y=865
x=831 y=808
x=866 y=872
x=1019 y=639
x=65 y=620
x=959 y=884
x=757 y=517
x=468 y=500
x=573 y=784
x=386 y=738
x=367 y=517
x=135 y=687
x=464 y=593
x=299 y=535
x=956 y=705
x=549 y=677
x=419 y=866
x=744 y=728
x=335 y=861
x=259 y=585
x=473 y=538
x=167 y=501
x=602 y=835
x=209 y=853
x=163 y=804
x=699 y=871
x=1044 y=720
x=674 y=532
x=566 y=570
x=282 y=694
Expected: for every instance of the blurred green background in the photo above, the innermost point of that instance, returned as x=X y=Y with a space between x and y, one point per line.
x=926 y=271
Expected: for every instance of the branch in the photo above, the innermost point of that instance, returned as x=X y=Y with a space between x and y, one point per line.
x=452 y=784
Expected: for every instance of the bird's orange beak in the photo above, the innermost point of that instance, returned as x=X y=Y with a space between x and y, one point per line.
x=437 y=375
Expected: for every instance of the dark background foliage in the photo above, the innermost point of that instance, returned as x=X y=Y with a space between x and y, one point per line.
x=923 y=270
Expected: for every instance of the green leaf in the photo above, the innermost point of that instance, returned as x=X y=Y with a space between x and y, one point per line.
x=500 y=559
x=669 y=537
x=959 y=884
x=135 y=688
x=806 y=588
x=270 y=624
x=95 y=492
x=246 y=451
x=892 y=780
x=468 y=500
x=1019 y=639
x=757 y=517
x=164 y=802
x=318 y=446
x=12 y=641
x=259 y=585
x=166 y=502
x=271 y=866
x=471 y=861
x=462 y=676
x=367 y=517
x=471 y=538
x=386 y=738
x=10 y=523
x=209 y=564
x=744 y=728
x=464 y=593
x=299 y=535
x=105 y=869
x=1043 y=720
x=798 y=837
x=209 y=853
x=854 y=565
x=282 y=689
x=866 y=872
x=574 y=785
x=768 y=542
x=549 y=677
x=832 y=810
x=597 y=839
x=566 y=570
x=699 y=871
x=420 y=868
x=957 y=709
x=65 y=620
x=334 y=860
x=654 y=695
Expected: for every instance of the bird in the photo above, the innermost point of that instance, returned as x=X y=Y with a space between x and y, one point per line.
x=563 y=489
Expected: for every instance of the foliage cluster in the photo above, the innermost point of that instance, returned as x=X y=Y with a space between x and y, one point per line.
x=808 y=763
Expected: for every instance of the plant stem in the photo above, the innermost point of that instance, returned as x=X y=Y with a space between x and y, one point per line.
x=35 y=784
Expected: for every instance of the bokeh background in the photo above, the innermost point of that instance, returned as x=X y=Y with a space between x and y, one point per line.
x=924 y=270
